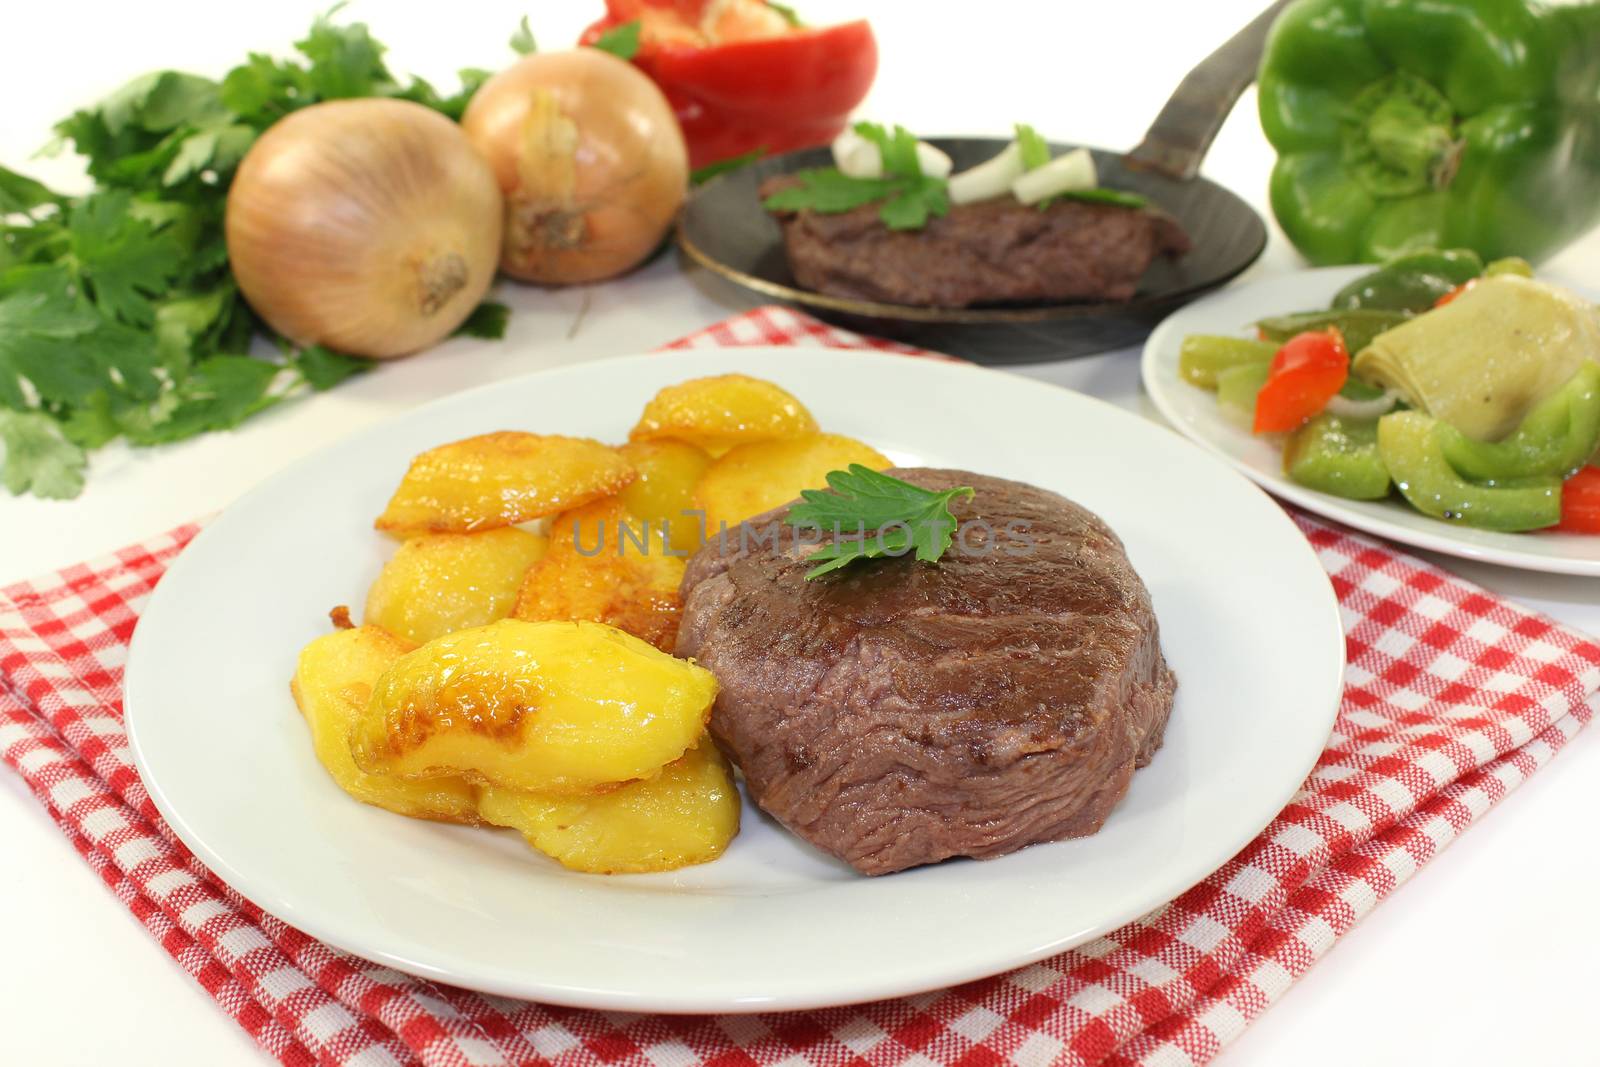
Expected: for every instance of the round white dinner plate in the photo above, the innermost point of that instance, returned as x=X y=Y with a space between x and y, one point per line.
x=1247 y=619
x=1195 y=413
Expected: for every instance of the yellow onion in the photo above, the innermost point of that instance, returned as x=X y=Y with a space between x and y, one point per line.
x=369 y=226
x=590 y=158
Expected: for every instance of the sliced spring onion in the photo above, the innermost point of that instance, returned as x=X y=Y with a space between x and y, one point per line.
x=989 y=179
x=1119 y=197
x=934 y=163
x=1349 y=408
x=1064 y=174
x=858 y=157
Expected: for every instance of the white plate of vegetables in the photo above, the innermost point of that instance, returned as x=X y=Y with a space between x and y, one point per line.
x=1454 y=406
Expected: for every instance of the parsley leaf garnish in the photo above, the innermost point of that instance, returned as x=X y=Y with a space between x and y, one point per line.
x=488 y=320
x=522 y=42
x=39 y=458
x=1034 y=149
x=701 y=175
x=908 y=196
x=119 y=317
x=888 y=517
x=621 y=41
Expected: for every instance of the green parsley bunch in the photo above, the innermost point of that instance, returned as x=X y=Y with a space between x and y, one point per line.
x=118 y=315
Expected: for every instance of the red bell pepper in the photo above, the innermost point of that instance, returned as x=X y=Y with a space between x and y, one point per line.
x=1453 y=293
x=1304 y=375
x=1580 y=502
x=740 y=77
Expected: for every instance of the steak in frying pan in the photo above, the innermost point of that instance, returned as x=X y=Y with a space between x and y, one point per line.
x=896 y=713
x=995 y=251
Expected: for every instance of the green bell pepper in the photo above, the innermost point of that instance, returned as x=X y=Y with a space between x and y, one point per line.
x=1237 y=388
x=1410 y=447
x=1337 y=455
x=1357 y=327
x=1410 y=124
x=1515 y=265
x=1557 y=437
x=1203 y=356
x=1410 y=283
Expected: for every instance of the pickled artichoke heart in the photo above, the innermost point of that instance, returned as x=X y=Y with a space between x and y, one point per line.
x=539 y=706
x=1482 y=361
x=687 y=814
x=332 y=684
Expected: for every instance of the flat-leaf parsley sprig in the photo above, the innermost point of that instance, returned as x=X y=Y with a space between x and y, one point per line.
x=900 y=517
x=907 y=195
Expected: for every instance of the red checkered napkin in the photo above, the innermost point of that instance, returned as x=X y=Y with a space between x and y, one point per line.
x=1453 y=697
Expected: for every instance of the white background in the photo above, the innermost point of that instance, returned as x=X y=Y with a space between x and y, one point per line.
x=1487 y=956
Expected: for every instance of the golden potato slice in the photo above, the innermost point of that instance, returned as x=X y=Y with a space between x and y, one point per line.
x=332 y=684
x=436 y=584
x=540 y=706
x=605 y=565
x=501 y=479
x=753 y=478
x=684 y=815
x=720 y=412
x=663 y=493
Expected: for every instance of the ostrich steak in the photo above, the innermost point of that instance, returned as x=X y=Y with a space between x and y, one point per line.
x=896 y=713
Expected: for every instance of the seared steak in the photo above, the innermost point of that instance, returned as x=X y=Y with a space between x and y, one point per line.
x=897 y=713
x=993 y=252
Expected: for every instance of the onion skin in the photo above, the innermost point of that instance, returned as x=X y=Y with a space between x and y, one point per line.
x=370 y=226
x=591 y=161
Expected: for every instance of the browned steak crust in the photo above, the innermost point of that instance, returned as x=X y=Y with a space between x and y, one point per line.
x=992 y=252
x=899 y=713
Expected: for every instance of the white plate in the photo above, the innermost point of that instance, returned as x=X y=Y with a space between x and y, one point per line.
x=1247 y=618
x=1194 y=412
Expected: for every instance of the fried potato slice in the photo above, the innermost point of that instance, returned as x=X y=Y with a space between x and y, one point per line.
x=332 y=684
x=684 y=815
x=501 y=479
x=720 y=412
x=538 y=706
x=436 y=584
x=606 y=565
x=754 y=478
x=663 y=493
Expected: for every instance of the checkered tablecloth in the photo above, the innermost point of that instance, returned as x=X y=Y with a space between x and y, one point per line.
x=1452 y=698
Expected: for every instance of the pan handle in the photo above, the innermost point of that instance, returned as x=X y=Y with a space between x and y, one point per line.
x=1182 y=133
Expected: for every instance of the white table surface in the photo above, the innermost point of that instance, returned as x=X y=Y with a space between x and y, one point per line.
x=1487 y=956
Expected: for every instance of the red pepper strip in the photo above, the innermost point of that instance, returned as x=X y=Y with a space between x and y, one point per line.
x=736 y=85
x=1306 y=372
x=1580 y=502
x=1457 y=291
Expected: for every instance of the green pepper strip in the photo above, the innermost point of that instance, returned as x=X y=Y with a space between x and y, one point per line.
x=1337 y=455
x=1412 y=282
x=1409 y=443
x=1203 y=356
x=1557 y=437
x=1237 y=388
x=1357 y=327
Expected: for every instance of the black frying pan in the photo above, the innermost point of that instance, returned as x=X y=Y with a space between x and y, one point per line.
x=724 y=230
